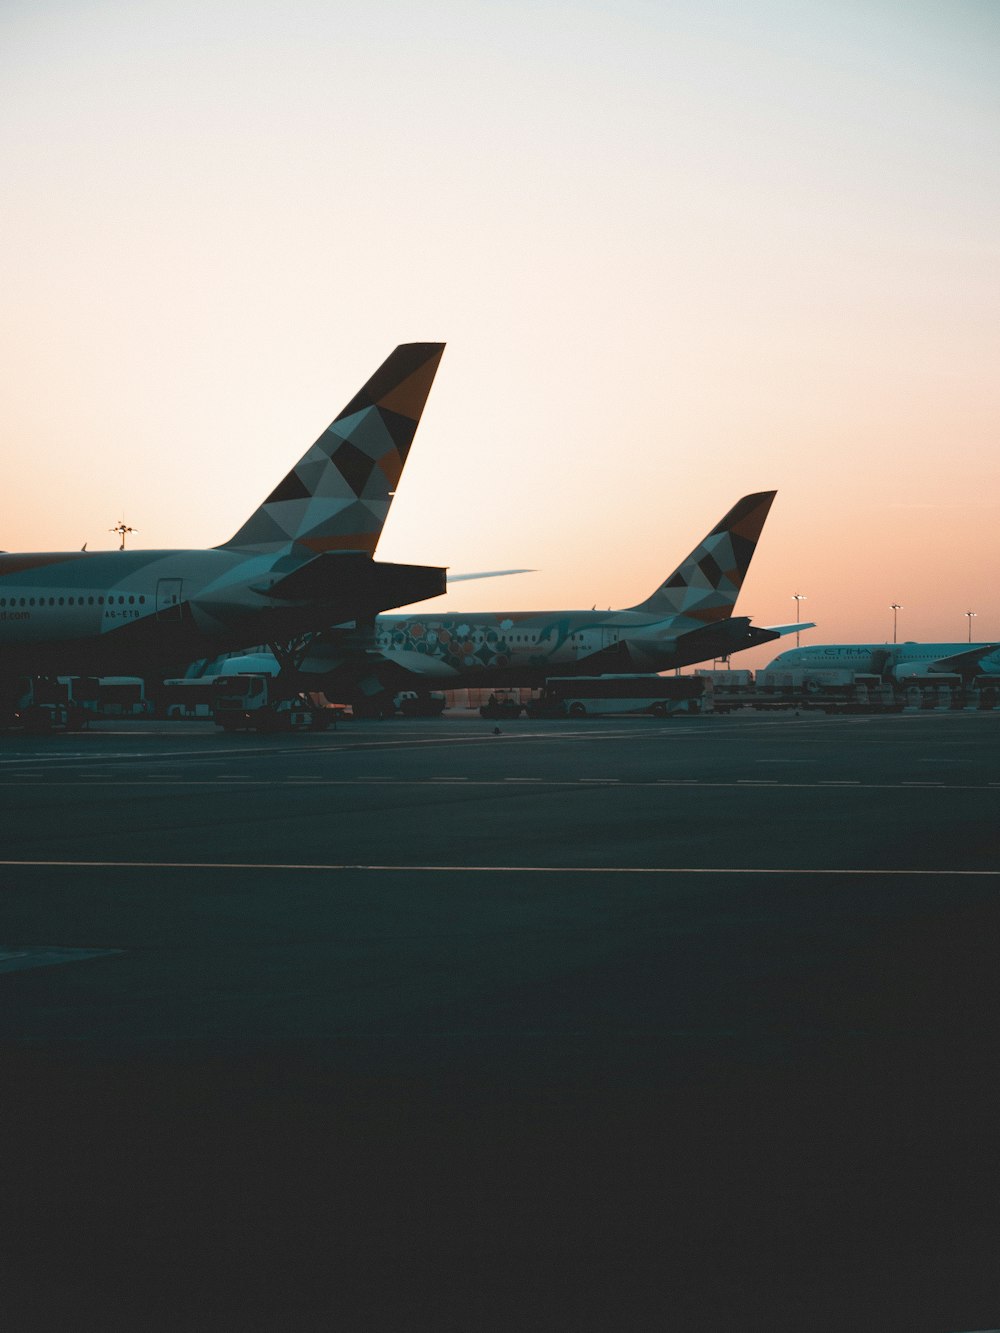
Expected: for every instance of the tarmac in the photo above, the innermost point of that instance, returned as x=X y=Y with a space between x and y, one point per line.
x=616 y=1024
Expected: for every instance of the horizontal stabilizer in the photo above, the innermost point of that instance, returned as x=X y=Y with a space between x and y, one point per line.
x=487 y=574
x=792 y=629
x=697 y=645
x=362 y=585
x=719 y=640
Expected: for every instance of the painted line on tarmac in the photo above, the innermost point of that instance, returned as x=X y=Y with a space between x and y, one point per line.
x=494 y=870
x=19 y=959
x=241 y=780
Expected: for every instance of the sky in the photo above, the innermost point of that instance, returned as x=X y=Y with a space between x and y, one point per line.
x=679 y=251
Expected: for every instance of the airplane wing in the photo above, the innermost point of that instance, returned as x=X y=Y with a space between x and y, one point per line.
x=967 y=661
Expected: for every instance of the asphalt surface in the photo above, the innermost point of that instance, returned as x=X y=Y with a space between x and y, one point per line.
x=610 y=1025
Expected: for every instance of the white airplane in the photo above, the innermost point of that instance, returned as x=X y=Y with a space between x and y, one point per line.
x=687 y=619
x=894 y=661
x=302 y=560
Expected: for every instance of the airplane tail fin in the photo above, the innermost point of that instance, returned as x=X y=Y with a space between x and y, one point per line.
x=337 y=496
x=705 y=586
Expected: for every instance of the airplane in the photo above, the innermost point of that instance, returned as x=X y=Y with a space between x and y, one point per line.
x=687 y=619
x=894 y=661
x=302 y=560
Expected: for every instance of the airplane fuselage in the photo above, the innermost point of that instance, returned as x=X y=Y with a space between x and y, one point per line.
x=496 y=646
x=888 y=658
x=523 y=648
x=147 y=612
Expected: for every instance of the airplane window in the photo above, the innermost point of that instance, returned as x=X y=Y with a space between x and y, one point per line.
x=31 y=601
x=62 y=601
x=100 y=601
x=141 y=600
x=121 y=601
x=52 y=601
x=22 y=601
x=131 y=600
x=90 y=601
x=71 y=601
x=3 y=601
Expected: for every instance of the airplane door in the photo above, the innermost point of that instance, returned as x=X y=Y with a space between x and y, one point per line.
x=168 y=599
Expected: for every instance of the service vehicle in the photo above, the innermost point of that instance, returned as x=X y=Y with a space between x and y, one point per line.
x=252 y=703
x=586 y=696
x=502 y=703
x=45 y=703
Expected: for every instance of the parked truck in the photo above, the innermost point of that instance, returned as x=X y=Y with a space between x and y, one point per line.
x=252 y=702
x=45 y=703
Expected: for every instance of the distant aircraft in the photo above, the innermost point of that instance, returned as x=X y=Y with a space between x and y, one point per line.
x=687 y=619
x=303 y=560
x=894 y=661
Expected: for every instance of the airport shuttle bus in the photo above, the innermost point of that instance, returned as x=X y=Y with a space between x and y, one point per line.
x=584 y=696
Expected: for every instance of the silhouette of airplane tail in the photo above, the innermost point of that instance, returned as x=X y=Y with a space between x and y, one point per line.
x=705 y=586
x=337 y=496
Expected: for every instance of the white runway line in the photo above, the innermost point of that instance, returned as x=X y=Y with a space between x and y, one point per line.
x=441 y=869
x=240 y=779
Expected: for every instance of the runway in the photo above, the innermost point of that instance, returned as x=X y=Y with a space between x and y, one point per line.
x=600 y=1025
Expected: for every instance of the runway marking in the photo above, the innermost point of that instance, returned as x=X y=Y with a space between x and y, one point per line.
x=244 y=866
x=18 y=959
x=217 y=780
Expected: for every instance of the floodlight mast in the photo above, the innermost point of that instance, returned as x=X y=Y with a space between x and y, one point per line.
x=122 y=529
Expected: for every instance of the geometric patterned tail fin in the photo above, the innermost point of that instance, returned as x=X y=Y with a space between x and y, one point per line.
x=337 y=496
x=705 y=587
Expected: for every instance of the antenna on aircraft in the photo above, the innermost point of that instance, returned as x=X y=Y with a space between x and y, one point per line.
x=122 y=529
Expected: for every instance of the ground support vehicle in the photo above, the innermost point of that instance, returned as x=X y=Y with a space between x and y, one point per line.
x=729 y=689
x=185 y=698
x=407 y=703
x=253 y=702
x=587 y=696
x=826 y=691
x=938 y=692
x=984 y=692
x=45 y=704
x=502 y=704
x=419 y=703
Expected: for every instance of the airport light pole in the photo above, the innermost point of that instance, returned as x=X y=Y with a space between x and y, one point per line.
x=896 y=607
x=798 y=597
x=971 y=616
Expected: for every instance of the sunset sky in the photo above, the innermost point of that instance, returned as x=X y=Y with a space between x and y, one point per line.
x=679 y=251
